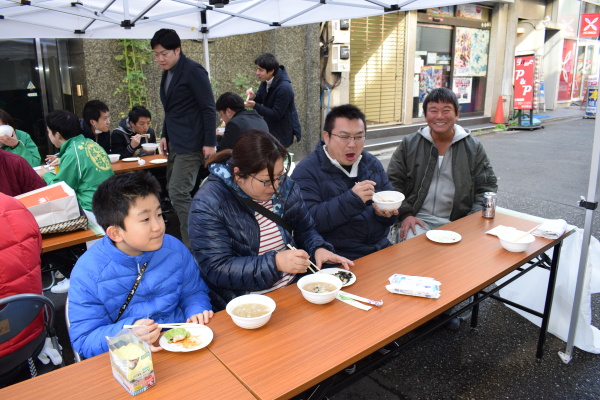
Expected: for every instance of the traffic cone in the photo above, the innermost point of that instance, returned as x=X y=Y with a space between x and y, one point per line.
x=499 y=117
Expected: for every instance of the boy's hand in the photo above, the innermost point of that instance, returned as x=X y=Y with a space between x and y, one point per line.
x=201 y=318
x=148 y=331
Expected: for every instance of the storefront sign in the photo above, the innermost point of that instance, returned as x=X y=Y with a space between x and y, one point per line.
x=565 y=76
x=462 y=88
x=471 y=11
x=589 y=26
x=592 y=102
x=471 y=52
x=523 y=83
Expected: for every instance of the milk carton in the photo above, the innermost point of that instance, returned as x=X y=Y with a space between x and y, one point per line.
x=131 y=362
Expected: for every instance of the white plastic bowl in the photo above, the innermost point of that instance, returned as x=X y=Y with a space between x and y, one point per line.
x=149 y=147
x=507 y=240
x=6 y=130
x=114 y=158
x=320 y=298
x=251 y=323
x=393 y=200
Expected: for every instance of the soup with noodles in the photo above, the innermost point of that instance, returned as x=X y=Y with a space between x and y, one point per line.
x=251 y=310
x=319 y=287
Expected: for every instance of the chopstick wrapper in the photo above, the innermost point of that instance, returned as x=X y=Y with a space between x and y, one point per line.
x=414 y=286
x=351 y=302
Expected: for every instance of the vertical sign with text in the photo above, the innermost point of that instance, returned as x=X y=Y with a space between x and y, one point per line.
x=523 y=82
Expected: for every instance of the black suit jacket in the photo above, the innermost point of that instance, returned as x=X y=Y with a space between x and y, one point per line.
x=240 y=123
x=190 y=115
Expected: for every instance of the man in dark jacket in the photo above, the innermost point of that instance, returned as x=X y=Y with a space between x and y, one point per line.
x=188 y=134
x=237 y=119
x=441 y=169
x=274 y=100
x=338 y=181
x=132 y=132
x=95 y=123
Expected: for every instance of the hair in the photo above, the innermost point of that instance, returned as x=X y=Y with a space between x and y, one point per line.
x=441 y=95
x=64 y=122
x=252 y=152
x=348 y=111
x=92 y=110
x=267 y=61
x=167 y=38
x=137 y=112
x=230 y=100
x=116 y=195
x=7 y=119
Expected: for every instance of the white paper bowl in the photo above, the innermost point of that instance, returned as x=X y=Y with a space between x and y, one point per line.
x=6 y=130
x=149 y=147
x=319 y=298
x=507 y=240
x=251 y=323
x=114 y=158
x=393 y=200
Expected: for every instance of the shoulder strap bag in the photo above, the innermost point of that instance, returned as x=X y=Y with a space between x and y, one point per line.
x=132 y=291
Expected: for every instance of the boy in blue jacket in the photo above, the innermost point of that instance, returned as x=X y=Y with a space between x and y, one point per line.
x=135 y=248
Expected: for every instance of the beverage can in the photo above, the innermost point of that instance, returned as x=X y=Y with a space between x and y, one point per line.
x=489 y=205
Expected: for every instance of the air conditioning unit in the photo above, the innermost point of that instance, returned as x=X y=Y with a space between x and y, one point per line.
x=340 y=58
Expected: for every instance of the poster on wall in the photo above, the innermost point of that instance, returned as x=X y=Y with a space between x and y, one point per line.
x=429 y=79
x=565 y=77
x=471 y=52
x=462 y=88
x=448 y=11
x=471 y=11
x=523 y=83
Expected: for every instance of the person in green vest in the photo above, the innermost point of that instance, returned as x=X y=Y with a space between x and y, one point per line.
x=17 y=141
x=83 y=163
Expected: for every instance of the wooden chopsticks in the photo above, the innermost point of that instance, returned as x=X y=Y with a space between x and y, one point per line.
x=527 y=233
x=311 y=263
x=168 y=326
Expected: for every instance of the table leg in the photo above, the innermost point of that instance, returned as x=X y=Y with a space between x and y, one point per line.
x=475 y=313
x=549 y=298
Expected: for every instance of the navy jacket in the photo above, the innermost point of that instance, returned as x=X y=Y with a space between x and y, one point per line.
x=240 y=123
x=120 y=140
x=278 y=109
x=350 y=225
x=190 y=115
x=224 y=237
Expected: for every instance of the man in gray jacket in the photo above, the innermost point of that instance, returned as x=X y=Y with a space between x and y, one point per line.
x=441 y=169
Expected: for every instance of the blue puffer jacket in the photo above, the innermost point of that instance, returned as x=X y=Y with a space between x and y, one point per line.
x=225 y=236
x=350 y=225
x=171 y=290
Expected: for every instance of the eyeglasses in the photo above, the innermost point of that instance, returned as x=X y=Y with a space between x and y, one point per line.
x=281 y=178
x=347 y=138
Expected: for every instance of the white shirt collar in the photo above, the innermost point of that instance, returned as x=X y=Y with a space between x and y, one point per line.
x=353 y=171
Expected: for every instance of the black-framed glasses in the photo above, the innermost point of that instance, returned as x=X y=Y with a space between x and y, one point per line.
x=348 y=138
x=281 y=178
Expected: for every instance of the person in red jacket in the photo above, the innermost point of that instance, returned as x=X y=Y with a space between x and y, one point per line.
x=16 y=175
x=20 y=269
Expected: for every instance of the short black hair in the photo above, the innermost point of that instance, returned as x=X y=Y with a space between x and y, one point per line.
x=116 y=195
x=230 y=100
x=92 y=110
x=268 y=62
x=441 y=95
x=167 y=38
x=137 y=112
x=348 y=111
x=64 y=122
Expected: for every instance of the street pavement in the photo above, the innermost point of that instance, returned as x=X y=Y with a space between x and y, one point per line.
x=541 y=172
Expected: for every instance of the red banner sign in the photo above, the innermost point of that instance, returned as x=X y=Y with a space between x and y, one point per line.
x=565 y=76
x=589 y=26
x=523 y=83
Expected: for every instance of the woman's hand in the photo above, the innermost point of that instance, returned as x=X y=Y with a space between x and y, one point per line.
x=148 y=331
x=325 y=256
x=292 y=261
x=201 y=318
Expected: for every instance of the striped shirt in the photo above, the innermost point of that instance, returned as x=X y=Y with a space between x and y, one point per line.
x=270 y=240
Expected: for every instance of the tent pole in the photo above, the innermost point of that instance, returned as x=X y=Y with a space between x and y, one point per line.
x=204 y=30
x=567 y=355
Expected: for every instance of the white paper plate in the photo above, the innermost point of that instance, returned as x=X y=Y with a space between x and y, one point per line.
x=201 y=334
x=443 y=236
x=332 y=271
x=130 y=159
x=159 y=161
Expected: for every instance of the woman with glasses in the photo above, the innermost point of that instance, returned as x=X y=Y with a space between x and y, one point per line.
x=239 y=249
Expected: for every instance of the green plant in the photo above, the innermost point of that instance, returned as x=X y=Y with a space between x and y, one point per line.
x=136 y=54
x=500 y=127
x=244 y=81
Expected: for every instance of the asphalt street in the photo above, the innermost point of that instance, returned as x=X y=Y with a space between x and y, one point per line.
x=541 y=172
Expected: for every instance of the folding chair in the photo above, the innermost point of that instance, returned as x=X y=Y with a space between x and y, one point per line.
x=75 y=354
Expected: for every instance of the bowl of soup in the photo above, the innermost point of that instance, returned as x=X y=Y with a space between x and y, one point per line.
x=150 y=148
x=251 y=311
x=114 y=158
x=388 y=200
x=319 y=288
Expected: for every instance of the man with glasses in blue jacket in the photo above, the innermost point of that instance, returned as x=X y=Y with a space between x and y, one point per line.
x=338 y=180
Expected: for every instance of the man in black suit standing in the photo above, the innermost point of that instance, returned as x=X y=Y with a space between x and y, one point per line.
x=238 y=120
x=188 y=134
